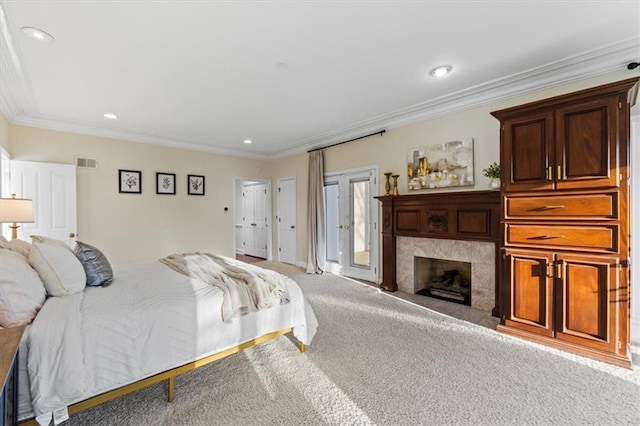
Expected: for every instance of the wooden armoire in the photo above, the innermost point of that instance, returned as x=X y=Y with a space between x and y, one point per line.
x=565 y=221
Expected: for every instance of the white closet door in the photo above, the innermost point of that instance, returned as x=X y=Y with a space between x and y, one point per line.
x=260 y=217
x=255 y=221
x=248 y=221
x=287 y=233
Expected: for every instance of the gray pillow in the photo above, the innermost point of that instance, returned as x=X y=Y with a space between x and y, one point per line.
x=95 y=264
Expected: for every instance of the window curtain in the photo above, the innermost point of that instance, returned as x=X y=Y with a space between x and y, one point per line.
x=315 y=214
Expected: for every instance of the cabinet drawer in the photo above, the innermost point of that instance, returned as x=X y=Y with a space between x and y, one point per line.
x=587 y=238
x=584 y=206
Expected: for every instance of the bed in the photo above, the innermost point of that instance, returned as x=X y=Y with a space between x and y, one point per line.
x=148 y=324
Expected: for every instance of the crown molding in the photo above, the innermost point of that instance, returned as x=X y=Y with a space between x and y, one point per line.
x=54 y=123
x=579 y=67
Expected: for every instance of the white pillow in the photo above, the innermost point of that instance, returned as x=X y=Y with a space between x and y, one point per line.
x=49 y=240
x=60 y=270
x=22 y=293
x=18 y=246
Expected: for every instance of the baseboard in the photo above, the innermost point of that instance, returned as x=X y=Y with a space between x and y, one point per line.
x=608 y=357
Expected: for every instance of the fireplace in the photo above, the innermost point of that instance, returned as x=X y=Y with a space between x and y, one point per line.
x=453 y=226
x=443 y=279
x=480 y=255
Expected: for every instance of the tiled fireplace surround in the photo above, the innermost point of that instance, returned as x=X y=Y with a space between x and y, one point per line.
x=481 y=255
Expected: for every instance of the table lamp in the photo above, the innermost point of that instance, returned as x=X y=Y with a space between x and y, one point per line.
x=16 y=210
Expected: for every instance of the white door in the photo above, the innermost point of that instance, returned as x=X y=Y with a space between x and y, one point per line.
x=53 y=190
x=287 y=221
x=351 y=224
x=248 y=224
x=255 y=219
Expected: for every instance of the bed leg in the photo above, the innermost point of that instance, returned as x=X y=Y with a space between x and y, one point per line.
x=171 y=389
x=302 y=347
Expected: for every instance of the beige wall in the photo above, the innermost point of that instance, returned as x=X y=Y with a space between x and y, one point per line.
x=147 y=226
x=142 y=227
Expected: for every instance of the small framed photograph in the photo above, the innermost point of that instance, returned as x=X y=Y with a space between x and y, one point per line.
x=166 y=183
x=130 y=181
x=196 y=184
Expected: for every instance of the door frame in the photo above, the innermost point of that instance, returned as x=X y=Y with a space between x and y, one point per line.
x=374 y=252
x=238 y=182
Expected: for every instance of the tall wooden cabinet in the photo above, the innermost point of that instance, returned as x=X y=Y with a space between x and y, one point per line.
x=565 y=221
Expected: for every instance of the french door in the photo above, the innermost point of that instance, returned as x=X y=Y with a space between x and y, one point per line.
x=351 y=216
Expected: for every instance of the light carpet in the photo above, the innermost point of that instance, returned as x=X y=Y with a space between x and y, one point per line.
x=379 y=360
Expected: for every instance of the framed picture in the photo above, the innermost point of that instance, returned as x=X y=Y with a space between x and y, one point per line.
x=195 y=185
x=130 y=181
x=443 y=165
x=166 y=183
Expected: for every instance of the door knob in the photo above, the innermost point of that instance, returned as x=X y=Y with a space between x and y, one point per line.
x=72 y=235
x=293 y=227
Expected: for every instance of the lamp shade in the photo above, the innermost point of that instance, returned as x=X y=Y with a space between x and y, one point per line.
x=16 y=210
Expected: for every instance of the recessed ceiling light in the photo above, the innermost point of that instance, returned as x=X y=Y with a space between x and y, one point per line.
x=110 y=116
x=247 y=141
x=37 y=34
x=441 y=71
x=282 y=66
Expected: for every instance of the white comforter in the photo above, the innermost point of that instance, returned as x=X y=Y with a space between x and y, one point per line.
x=150 y=319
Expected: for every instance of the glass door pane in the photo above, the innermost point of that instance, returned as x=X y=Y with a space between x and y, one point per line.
x=360 y=208
x=332 y=222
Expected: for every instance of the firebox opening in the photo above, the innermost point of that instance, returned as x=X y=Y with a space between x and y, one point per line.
x=443 y=279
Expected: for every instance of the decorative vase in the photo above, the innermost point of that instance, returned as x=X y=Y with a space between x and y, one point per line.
x=395 y=184
x=387 y=184
x=494 y=183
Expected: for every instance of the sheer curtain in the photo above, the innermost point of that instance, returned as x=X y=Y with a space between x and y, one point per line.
x=315 y=214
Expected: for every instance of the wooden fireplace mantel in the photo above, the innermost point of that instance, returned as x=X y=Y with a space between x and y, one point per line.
x=468 y=215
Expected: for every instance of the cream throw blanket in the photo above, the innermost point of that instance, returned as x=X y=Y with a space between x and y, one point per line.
x=245 y=289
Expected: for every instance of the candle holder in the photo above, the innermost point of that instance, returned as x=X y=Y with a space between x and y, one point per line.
x=387 y=184
x=395 y=184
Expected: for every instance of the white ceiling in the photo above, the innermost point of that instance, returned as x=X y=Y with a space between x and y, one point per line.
x=205 y=74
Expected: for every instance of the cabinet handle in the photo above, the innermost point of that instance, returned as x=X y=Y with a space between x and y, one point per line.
x=549 y=173
x=254 y=224
x=546 y=237
x=559 y=175
x=553 y=207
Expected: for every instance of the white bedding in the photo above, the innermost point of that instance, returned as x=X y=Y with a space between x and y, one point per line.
x=150 y=319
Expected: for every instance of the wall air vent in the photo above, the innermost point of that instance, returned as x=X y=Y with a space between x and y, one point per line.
x=86 y=163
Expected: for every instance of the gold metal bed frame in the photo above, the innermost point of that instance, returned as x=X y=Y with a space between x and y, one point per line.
x=169 y=375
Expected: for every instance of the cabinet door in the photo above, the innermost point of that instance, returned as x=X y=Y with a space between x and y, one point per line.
x=587 y=300
x=586 y=145
x=529 y=291
x=527 y=151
